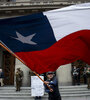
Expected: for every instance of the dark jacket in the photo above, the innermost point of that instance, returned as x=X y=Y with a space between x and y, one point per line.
x=55 y=95
x=1 y=75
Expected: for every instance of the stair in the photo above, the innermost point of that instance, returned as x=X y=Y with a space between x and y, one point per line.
x=67 y=93
x=75 y=92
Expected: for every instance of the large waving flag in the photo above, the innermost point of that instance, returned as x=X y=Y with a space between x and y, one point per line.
x=44 y=41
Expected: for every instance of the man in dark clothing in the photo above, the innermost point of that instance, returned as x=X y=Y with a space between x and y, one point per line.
x=85 y=75
x=78 y=71
x=75 y=75
x=88 y=77
x=53 y=83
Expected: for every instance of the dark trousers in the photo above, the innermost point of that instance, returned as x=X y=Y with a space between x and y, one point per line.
x=54 y=98
x=38 y=98
x=88 y=82
x=75 y=80
x=78 y=79
x=18 y=86
x=85 y=79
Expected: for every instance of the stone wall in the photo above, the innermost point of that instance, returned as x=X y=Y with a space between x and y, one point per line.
x=64 y=75
x=25 y=69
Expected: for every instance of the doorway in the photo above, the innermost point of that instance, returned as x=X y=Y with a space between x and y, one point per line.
x=8 y=68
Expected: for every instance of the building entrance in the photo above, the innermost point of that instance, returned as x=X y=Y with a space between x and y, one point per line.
x=8 y=68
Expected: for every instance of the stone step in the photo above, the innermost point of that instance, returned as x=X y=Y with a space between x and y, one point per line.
x=20 y=98
x=76 y=92
x=27 y=93
x=15 y=94
x=63 y=89
x=67 y=93
x=44 y=97
x=73 y=87
x=60 y=87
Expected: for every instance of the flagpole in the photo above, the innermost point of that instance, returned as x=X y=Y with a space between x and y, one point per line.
x=2 y=45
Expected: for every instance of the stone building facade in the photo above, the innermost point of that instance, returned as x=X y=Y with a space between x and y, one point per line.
x=9 y=64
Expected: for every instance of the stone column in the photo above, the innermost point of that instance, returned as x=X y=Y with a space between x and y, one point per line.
x=25 y=69
x=64 y=75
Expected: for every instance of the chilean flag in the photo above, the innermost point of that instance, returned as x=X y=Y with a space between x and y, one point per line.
x=44 y=41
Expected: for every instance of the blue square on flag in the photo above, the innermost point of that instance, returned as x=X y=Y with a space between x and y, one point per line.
x=27 y=33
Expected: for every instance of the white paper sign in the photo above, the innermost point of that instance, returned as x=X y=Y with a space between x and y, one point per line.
x=37 y=86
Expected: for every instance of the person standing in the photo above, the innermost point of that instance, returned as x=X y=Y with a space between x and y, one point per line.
x=19 y=76
x=88 y=77
x=78 y=76
x=53 y=83
x=85 y=75
x=1 y=77
x=75 y=75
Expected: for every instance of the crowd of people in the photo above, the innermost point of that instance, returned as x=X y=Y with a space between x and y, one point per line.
x=85 y=75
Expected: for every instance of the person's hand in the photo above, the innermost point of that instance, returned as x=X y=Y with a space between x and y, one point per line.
x=46 y=82
x=51 y=90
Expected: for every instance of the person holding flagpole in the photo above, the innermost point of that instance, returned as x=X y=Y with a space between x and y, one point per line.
x=53 y=83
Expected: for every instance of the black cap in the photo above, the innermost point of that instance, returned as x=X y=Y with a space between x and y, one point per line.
x=49 y=73
x=18 y=68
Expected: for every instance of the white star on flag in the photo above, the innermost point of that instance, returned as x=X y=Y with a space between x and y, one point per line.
x=27 y=39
